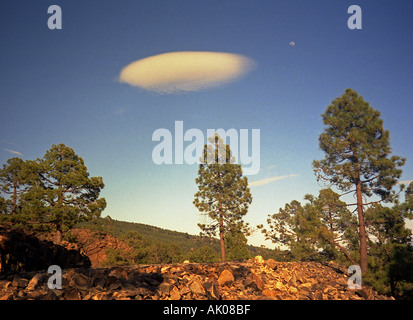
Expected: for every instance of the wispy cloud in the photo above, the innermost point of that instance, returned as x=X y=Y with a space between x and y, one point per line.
x=269 y=180
x=405 y=182
x=120 y=111
x=177 y=72
x=270 y=167
x=13 y=151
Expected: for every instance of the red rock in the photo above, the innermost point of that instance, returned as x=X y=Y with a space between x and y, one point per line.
x=34 y=282
x=225 y=278
x=6 y=296
x=197 y=288
x=212 y=290
x=259 y=259
x=19 y=282
x=175 y=295
x=72 y=294
x=270 y=293
x=271 y=263
x=258 y=282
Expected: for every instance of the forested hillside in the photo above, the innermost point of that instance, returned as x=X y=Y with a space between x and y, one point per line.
x=191 y=247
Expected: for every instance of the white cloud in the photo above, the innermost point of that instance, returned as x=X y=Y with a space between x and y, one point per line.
x=185 y=71
x=269 y=180
x=14 y=152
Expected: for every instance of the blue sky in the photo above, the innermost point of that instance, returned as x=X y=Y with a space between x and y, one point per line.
x=61 y=86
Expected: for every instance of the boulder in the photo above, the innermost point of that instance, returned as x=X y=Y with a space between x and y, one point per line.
x=35 y=282
x=225 y=278
x=259 y=259
x=197 y=288
x=271 y=263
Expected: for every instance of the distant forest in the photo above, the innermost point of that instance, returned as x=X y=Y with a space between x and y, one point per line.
x=176 y=246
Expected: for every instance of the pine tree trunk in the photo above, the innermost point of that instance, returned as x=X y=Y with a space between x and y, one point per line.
x=221 y=231
x=14 y=198
x=221 y=218
x=221 y=238
x=362 y=229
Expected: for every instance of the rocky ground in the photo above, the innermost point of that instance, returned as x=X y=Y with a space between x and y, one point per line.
x=250 y=280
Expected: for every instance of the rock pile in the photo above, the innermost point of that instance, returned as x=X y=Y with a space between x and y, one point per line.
x=252 y=280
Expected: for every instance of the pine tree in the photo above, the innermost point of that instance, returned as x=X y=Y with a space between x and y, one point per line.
x=336 y=225
x=223 y=195
x=204 y=254
x=358 y=157
x=295 y=227
x=68 y=195
x=236 y=245
x=324 y=223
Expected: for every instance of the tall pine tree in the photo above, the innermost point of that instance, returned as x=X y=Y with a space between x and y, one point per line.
x=223 y=195
x=358 y=156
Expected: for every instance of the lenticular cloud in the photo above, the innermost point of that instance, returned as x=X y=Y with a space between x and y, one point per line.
x=185 y=71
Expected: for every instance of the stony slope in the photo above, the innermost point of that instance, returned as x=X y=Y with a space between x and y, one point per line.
x=252 y=280
x=95 y=244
